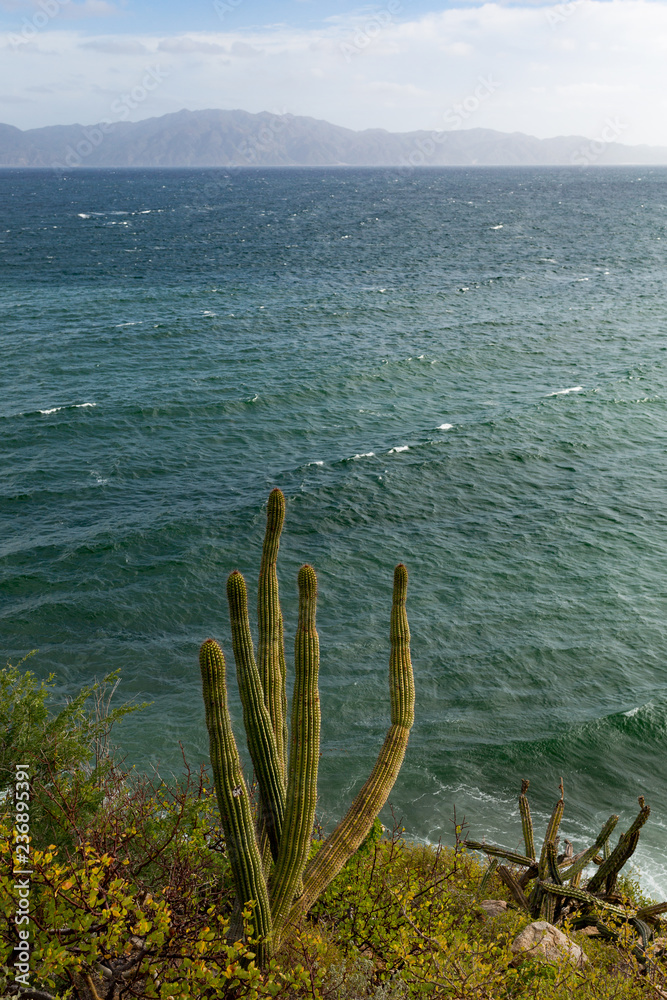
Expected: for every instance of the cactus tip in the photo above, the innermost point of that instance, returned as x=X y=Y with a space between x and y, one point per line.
x=308 y=580
x=235 y=583
x=211 y=653
x=275 y=511
x=400 y=582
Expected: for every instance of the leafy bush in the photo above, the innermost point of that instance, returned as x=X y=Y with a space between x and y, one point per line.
x=133 y=896
x=68 y=751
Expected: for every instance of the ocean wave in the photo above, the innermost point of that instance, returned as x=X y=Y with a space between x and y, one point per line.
x=564 y=392
x=400 y=447
x=67 y=406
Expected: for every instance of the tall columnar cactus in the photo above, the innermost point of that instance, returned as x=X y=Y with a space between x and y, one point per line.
x=269 y=858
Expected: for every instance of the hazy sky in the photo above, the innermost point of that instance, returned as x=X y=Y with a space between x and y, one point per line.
x=590 y=67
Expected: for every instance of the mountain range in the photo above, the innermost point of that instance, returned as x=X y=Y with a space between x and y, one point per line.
x=237 y=138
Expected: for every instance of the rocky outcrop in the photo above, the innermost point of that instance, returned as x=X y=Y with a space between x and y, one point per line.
x=545 y=942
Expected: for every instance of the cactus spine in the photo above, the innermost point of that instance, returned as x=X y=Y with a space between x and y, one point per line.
x=285 y=891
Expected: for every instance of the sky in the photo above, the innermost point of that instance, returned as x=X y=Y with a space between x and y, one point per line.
x=596 y=68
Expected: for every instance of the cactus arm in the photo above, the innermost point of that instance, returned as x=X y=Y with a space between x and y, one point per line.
x=588 y=855
x=526 y=821
x=283 y=694
x=231 y=791
x=354 y=827
x=552 y=864
x=256 y=719
x=271 y=662
x=486 y=877
x=499 y=852
x=517 y=892
x=552 y=831
x=625 y=848
x=582 y=896
x=303 y=759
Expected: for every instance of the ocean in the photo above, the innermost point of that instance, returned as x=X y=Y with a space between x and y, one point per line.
x=460 y=369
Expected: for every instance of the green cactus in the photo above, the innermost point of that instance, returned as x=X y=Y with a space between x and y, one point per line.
x=556 y=893
x=269 y=861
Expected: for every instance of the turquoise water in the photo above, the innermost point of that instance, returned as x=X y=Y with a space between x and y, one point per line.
x=460 y=369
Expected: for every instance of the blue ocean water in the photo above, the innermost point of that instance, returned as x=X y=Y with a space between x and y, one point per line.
x=460 y=369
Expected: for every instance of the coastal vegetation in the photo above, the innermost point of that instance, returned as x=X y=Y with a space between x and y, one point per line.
x=132 y=892
x=116 y=884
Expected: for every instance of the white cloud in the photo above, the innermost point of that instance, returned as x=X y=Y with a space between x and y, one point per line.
x=117 y=46
x=559 y=70
x=187 y=44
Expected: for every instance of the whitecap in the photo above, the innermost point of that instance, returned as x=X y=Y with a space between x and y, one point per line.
x=402 y=447
x=72 y=406
x=82 y=215
x=316 y=463
x=564 y=392
x=209 y=312
x=365 y=454
x=497 y=227
x=444 y=427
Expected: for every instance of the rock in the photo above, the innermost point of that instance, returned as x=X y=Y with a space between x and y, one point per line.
x=494 y=907
x=590 y=931
x=544 y=941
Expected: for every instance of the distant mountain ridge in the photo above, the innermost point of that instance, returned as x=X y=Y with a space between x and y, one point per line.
x=237 y=138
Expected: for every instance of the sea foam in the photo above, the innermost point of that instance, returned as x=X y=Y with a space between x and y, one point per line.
x=72 y=406
x=564 y=392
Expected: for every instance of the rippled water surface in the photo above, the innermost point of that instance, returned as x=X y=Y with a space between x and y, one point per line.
x=460 y=369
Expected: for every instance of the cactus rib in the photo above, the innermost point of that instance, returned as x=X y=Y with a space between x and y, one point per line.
x=354 y=826
x=259 y=731
x=231 y=790
x=304 y=756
